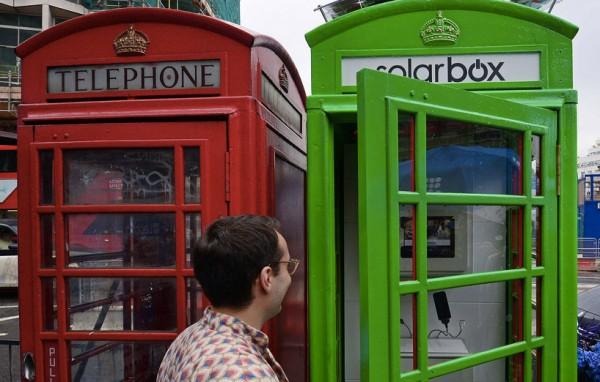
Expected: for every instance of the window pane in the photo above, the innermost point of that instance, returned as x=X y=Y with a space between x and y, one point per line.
x=194 y=300
x=596 y=190
x=115 y=176
x=536 y=165
x=8 y=159
x=536 y=316
x=459 y=326
x=469 y=158
x=408 y=333
x=193 y=230
x=406 y=242
x=9 y=36
x=192 y=174
x=30 y=21
x=473 y=239
x=406 y=152
x=49 y=303
x=47 y=242
x=24 y=34
x=116 y=361
x=9 y=19
x=122 y=304
x=536 y=236
x=135 y=240
x=46 y=166
x=8 y=56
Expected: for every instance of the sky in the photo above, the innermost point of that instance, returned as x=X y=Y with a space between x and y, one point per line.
x=288 y=20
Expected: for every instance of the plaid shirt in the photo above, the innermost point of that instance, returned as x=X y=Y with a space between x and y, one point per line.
x=220 y=348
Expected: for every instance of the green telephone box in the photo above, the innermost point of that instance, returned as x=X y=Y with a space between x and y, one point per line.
x=442 y=194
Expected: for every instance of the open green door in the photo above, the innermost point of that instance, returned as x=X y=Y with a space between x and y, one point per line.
x=457 y=234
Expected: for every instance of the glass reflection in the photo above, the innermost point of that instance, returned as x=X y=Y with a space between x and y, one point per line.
x=408 y=333
x=464 y=157
x=120 y=240
x=191 y=157
x=407 y=238
x=47 y=244
x=536 y=164
x=122 y=304
x=193 y=230
x=194 y=300
x=406 y=152
x=115 y=176
x=49 y=306
x=466 y=239
x=116 y=361
x=46 y=166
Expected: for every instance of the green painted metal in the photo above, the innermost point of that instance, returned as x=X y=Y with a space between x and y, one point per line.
x=486 y=26
x=391 y=29
x=382 y=95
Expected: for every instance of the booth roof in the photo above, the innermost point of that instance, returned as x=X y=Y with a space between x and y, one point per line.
x=128 y=15
x=390 y=8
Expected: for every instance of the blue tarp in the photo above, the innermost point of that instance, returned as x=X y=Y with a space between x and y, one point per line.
x=468 y=169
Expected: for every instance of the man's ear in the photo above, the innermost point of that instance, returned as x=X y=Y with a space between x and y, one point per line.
x=265 y=278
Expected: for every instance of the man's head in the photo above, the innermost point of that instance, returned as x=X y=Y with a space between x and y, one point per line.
x=240 y=257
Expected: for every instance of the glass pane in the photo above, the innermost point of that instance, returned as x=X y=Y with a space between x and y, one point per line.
x=9 y=19
x=122 y=304
x=30 y=21
x=9 y=36
x=469 y=158
x=536 y=236
x=49 y=303
x=8 y=56
x=192 y=174
x=473 y=319
x=46 y=166
x=24 y=34
x=408 y=333
x=536 y=165
x=47 y=243
x=596 y=190
x=408 y=269
x=406 y=152
x=113 y=361
x=472 y=239
x=536 y=304
x=536 y=364
x=115 y=176
x=135 y=240
x=494 y=371
x=588 y=188
x=194 y=300
x=193 y=230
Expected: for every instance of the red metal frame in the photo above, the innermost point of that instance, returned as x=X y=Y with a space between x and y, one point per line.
x=227 y=123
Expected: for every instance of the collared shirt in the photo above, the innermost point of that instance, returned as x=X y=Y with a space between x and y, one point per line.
x=220 y=348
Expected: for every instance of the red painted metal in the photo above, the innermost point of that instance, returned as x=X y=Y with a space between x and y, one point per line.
x=250 y=154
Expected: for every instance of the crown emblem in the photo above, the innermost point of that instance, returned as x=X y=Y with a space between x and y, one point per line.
x=131 y=43
x=283 y=79
x=440 y=29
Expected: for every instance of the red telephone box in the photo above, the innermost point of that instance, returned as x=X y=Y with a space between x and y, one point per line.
x=139 y=127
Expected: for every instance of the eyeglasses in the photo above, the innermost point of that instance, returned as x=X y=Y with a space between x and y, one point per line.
x=292 y=265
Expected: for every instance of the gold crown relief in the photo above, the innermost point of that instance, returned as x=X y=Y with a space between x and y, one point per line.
x=440 y=29
x=131 y=43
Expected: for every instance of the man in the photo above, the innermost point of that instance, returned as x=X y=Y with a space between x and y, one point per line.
x=244 y=267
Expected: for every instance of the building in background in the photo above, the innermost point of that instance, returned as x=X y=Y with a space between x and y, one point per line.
x=21 y=19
